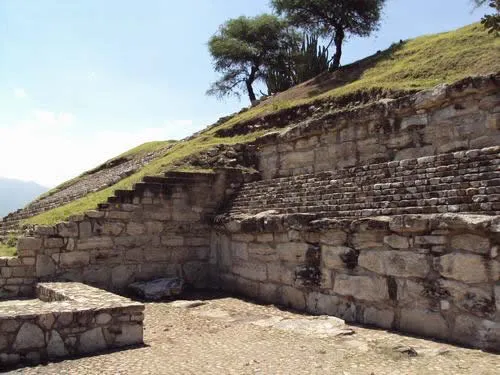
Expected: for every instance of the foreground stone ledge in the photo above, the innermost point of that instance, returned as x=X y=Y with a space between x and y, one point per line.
x=68 y=319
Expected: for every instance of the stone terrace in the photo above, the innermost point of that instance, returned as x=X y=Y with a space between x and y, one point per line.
x=464 y=181
x=68 y=319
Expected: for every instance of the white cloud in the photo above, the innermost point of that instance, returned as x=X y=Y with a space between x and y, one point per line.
x=20 y=93
x=44 y=150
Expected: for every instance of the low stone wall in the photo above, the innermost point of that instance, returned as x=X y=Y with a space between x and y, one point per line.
x=431 y=275
x=159 y=229
x=70 y=319
x=461 y=116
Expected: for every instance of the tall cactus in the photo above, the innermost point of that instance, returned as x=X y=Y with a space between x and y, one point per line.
x=298 y=65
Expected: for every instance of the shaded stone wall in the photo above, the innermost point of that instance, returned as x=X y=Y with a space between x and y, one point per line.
x=432 y=275
x=465 y=115
x=159 y=229
x=78 y=320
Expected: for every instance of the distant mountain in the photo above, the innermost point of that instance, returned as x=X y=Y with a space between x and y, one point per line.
x=16 y=194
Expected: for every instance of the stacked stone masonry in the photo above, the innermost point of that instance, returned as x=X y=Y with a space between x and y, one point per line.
x=461 y=116
x=95 y=180
x=464 y=181
x=160 y=228
x=384 y=215
x=432 y=275
x=68 y=319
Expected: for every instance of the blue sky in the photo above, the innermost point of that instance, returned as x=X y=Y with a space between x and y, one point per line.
x=82 y=81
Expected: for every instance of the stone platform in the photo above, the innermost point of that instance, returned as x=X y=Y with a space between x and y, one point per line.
x=67 y=319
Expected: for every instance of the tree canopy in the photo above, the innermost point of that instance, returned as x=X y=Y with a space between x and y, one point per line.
x=491 y=21
x=336 y=18
x=243 y=49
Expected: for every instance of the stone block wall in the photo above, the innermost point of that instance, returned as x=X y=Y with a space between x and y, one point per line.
x=78 y=320
x=462 y=116
x=431 y=275
x=159 y=229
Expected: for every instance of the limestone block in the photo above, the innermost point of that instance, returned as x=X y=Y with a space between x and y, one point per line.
x=372 y=239
x=361 y=287
x=55 y=345
x=112 y=228
x=265 y=237
x=97 y=276
x=85 y=229
x=131 y=334
x=278 y=273
x=196 y=273
x=103 y=319
x=379 y=318
x=478 y=301
x=153 y=227
x=196 y=241
x=306 y=143
x=471 y=330
x=172 y=240
x=92 y=243
x=471 y=242
x=431 y=240
x=252 y=271
x=135 y=229
x=118 y=215
x=415 y=121
x=122 y=275
x=3 y=343
x=44 y=266
x=468 y=268
x=423 y=322
x=269 y=292
x=30 y=336
x=247 y=287
x=69 y=229
x=75 y=259
x=409 y=224
x=332 y=256
x=29 y=243
x=293 y=297
x=297 y=159
x=333 y=237
x=9 y=325
x=397 y=242
x=240 y=250
x=46 y=321
x=134 y=255
x=325 y=304
x=497 y=296
x=395 y=263
x=53 y=243
x=262 y=252
x=92 y=341
x=292 y=251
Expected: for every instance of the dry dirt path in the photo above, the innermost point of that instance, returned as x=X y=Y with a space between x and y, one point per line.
x=232 y=336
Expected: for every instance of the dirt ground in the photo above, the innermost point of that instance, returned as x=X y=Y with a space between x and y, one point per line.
x=224 y=335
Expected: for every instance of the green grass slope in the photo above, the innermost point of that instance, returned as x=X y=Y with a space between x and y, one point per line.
x=415 y=64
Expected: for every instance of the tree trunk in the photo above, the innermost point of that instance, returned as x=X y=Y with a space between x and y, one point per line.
x=249 y=81
x=339 y=40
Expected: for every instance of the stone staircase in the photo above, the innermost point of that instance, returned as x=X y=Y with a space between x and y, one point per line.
x=464 y=181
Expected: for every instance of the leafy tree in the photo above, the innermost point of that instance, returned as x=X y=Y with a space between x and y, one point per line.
x=491 y=21
x=337 y=18
x=243 y=49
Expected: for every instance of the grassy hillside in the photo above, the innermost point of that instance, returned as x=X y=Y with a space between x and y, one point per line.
x=415 y=64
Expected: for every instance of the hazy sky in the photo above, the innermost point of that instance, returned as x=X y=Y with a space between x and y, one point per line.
x=82 y=81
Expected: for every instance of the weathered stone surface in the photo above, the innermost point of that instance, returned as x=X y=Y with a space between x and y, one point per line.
x=333 y=237
x=395 y=263
x=30 y=336
x=122 y=275
x=29 y=243
x=361 y=287
x=292 y=251
x=131 y=334
x=335 y=257
x=44 y=266
x=75 y=259
x=157 y=289
x=379 y=318
x=55 y=345
x=423 y=322
x=293 y=297
x=471 y=242
x=397 y=242
x=478 y=301
x=93 y=243
x=464 y=267
x=252 y=271
x=46 y=321
x=103 y=318
x=92 y=341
